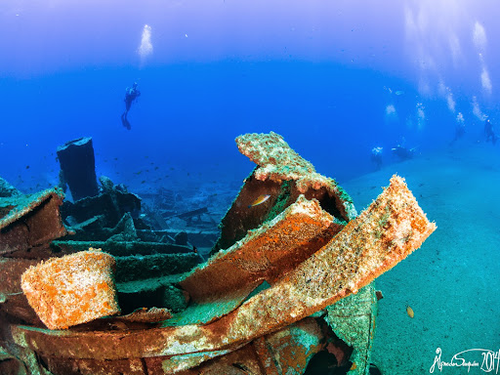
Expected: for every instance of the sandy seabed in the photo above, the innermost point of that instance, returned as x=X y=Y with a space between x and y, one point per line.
x=452 y=282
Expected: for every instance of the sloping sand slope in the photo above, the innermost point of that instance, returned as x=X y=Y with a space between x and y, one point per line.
x=453 y=282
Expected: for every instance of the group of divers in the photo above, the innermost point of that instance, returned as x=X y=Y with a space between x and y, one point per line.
x=401 y=152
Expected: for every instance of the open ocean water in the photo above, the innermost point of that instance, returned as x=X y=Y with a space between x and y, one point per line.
x=336 y=79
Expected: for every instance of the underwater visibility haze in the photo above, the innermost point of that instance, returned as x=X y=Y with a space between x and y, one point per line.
x=361 y=89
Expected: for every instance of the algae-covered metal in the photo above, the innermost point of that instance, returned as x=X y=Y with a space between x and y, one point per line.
x=28 y=222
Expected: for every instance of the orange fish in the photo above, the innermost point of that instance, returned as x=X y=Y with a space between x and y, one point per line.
x=410 y=312
x=261 y=199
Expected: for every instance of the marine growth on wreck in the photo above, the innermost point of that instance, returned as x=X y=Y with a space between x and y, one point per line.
x=102 y=286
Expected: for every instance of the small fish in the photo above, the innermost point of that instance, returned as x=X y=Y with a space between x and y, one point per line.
x=410 y=312
x=261 y=199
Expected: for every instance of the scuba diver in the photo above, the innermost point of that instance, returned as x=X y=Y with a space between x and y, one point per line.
x=402 y=152
x=488 y=131
x=376 y=157
x=131 y=94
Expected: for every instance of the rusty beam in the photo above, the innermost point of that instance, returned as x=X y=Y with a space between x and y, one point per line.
x=265 y=253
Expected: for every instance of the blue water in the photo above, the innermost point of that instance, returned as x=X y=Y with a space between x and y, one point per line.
x=189 y=114
x=335 y=78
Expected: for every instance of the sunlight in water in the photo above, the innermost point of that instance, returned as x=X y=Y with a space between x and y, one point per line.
x=146 y=47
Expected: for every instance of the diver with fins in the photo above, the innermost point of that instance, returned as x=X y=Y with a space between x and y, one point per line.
x=131 y=94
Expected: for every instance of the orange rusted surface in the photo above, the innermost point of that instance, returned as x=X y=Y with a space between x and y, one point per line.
x=227 y=278
x=74 y=289
x=285 y=351
x=265 y=253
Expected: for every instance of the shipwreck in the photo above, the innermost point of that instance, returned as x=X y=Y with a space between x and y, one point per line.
x=288 y=287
